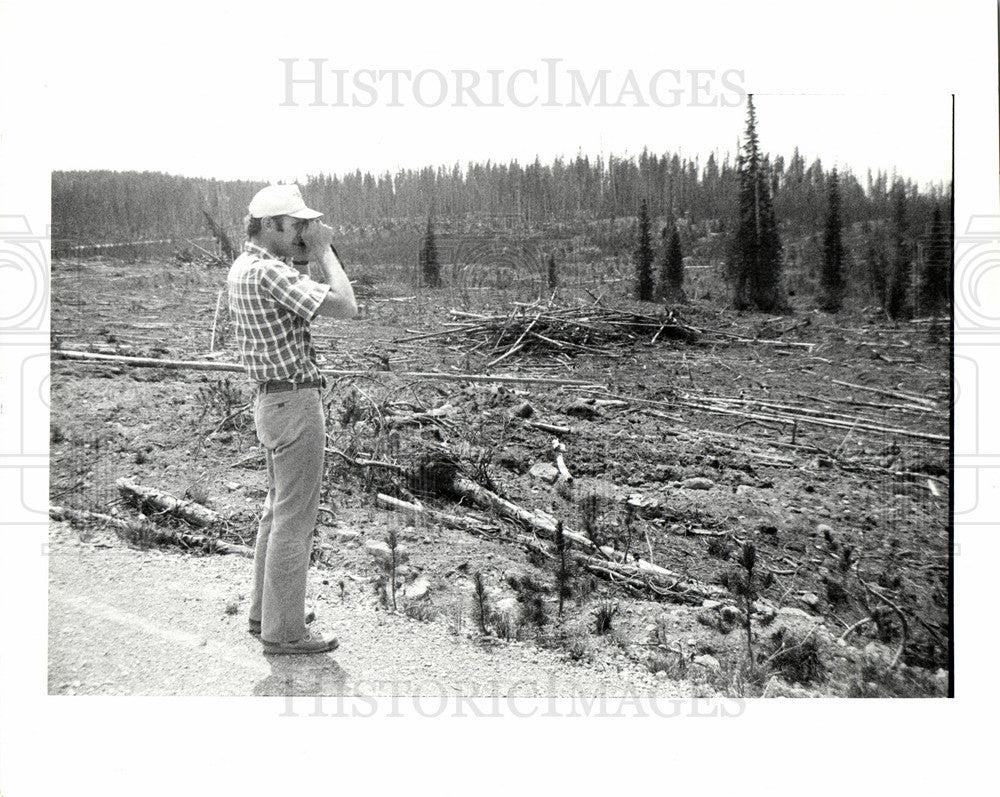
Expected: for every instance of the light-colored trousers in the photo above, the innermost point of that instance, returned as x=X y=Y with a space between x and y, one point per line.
x=290 y=426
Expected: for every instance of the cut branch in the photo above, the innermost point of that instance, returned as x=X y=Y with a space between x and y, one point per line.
x=197 y=365
x=543 y=523
x=133 y=530
x=889 y=393
x=150 y=498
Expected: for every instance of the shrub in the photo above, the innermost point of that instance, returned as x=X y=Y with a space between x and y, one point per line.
x=603 y=617
x=422 y=611
x=590 y=506
x=197 y=493
x=222 y=399
x=720 y=548
x=795 y=657
x=506 y=626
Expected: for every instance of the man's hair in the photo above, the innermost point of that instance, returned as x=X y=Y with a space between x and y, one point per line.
x=254 y=225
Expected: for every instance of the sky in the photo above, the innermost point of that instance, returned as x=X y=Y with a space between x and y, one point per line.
x=201 y=89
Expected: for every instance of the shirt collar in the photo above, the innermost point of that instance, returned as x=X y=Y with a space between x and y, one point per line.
x=252 y=248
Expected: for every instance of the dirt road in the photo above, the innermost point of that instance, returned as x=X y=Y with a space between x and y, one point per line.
x=129 y=622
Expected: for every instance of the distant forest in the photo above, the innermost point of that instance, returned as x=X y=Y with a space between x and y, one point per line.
x=104 y=206
x=581 y=209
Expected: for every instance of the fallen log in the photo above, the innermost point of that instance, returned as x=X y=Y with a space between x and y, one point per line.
x=740 y=339
x=890 y=393
x=197 y=365
x=638 y=574
x=131 y=530
x=706 y=405
x=549 y=427
x=544 y=523
x=535 y=520
x=82 y=517
x=212 y=255
x=421 y=511
x=149 y=498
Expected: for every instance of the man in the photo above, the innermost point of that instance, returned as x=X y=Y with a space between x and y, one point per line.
x=271 y=305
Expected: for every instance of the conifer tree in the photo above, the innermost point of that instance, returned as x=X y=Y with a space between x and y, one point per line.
x=552 y=277
x=644 y=258
x=832 y=274
x=935 y=293
x=671 y=265
x=430 y=269
x=896 y=301
x=754 y=264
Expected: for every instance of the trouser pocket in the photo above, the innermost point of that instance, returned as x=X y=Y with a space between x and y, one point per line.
x=282 y=419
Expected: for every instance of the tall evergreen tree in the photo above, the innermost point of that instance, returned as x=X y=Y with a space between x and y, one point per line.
x=551 y=274
x=754 y=264
x=430 y=269
x=644 y=258
x=832 y=274
x=877 y=261
x=897 y=305
x=671 y=265
x=935 y=289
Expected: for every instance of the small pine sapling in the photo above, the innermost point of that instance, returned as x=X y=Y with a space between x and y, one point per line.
x=603 y=616
x=562 y=576
x=744 y=584
x=393 y=542
x=629 y=521
x=481 y=605
x=589 y=507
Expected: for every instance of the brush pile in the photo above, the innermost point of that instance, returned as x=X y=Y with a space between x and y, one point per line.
x=539 y=328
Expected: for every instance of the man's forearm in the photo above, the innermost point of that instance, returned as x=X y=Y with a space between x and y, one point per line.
x=340 y=302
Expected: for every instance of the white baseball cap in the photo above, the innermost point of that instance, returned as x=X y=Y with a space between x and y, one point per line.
x=281 y=200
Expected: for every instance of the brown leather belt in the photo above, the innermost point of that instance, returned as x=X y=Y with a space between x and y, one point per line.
x=281 y=387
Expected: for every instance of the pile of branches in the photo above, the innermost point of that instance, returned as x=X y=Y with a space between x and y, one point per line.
x=541 y=328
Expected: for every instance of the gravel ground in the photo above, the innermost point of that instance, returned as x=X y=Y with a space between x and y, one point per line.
x=160 y=622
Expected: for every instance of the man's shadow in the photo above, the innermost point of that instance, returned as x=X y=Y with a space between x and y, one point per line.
x=306 y=675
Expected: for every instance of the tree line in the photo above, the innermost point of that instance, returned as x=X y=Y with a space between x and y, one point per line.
x=104 y=206
x=771 y=214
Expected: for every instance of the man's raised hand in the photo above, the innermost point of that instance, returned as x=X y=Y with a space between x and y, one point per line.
x=317 y=237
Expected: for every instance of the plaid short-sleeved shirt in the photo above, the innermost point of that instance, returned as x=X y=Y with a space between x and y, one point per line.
x=271 y=305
